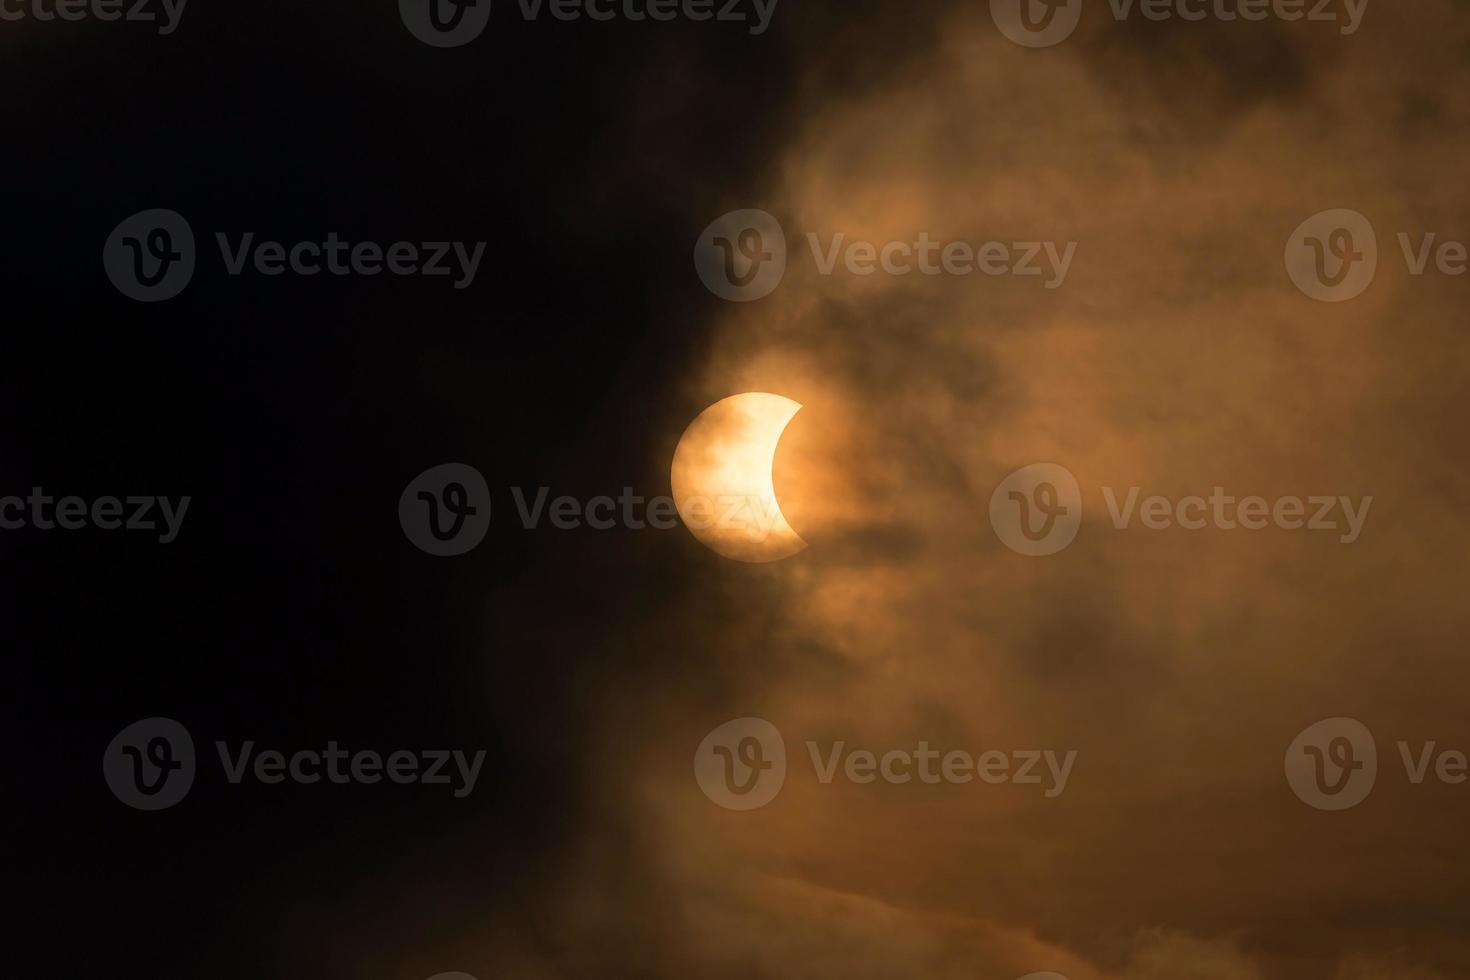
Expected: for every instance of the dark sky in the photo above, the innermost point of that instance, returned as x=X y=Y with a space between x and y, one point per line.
x=292 y=611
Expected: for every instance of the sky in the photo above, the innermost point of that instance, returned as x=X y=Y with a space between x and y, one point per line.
x=1158 y=678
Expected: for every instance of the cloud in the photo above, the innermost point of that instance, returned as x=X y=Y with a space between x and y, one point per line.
x=1176 y=357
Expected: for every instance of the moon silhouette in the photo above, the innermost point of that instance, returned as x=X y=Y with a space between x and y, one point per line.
x=721 y=477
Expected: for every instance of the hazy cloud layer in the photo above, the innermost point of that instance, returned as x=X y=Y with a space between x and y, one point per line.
x=1177 y=357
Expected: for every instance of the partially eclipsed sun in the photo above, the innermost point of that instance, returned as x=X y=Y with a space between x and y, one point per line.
x=722 y=478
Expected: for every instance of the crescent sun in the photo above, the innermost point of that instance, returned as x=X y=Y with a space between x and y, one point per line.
x=722 y=483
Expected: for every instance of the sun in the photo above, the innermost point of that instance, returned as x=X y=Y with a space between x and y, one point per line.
x=722 y=483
